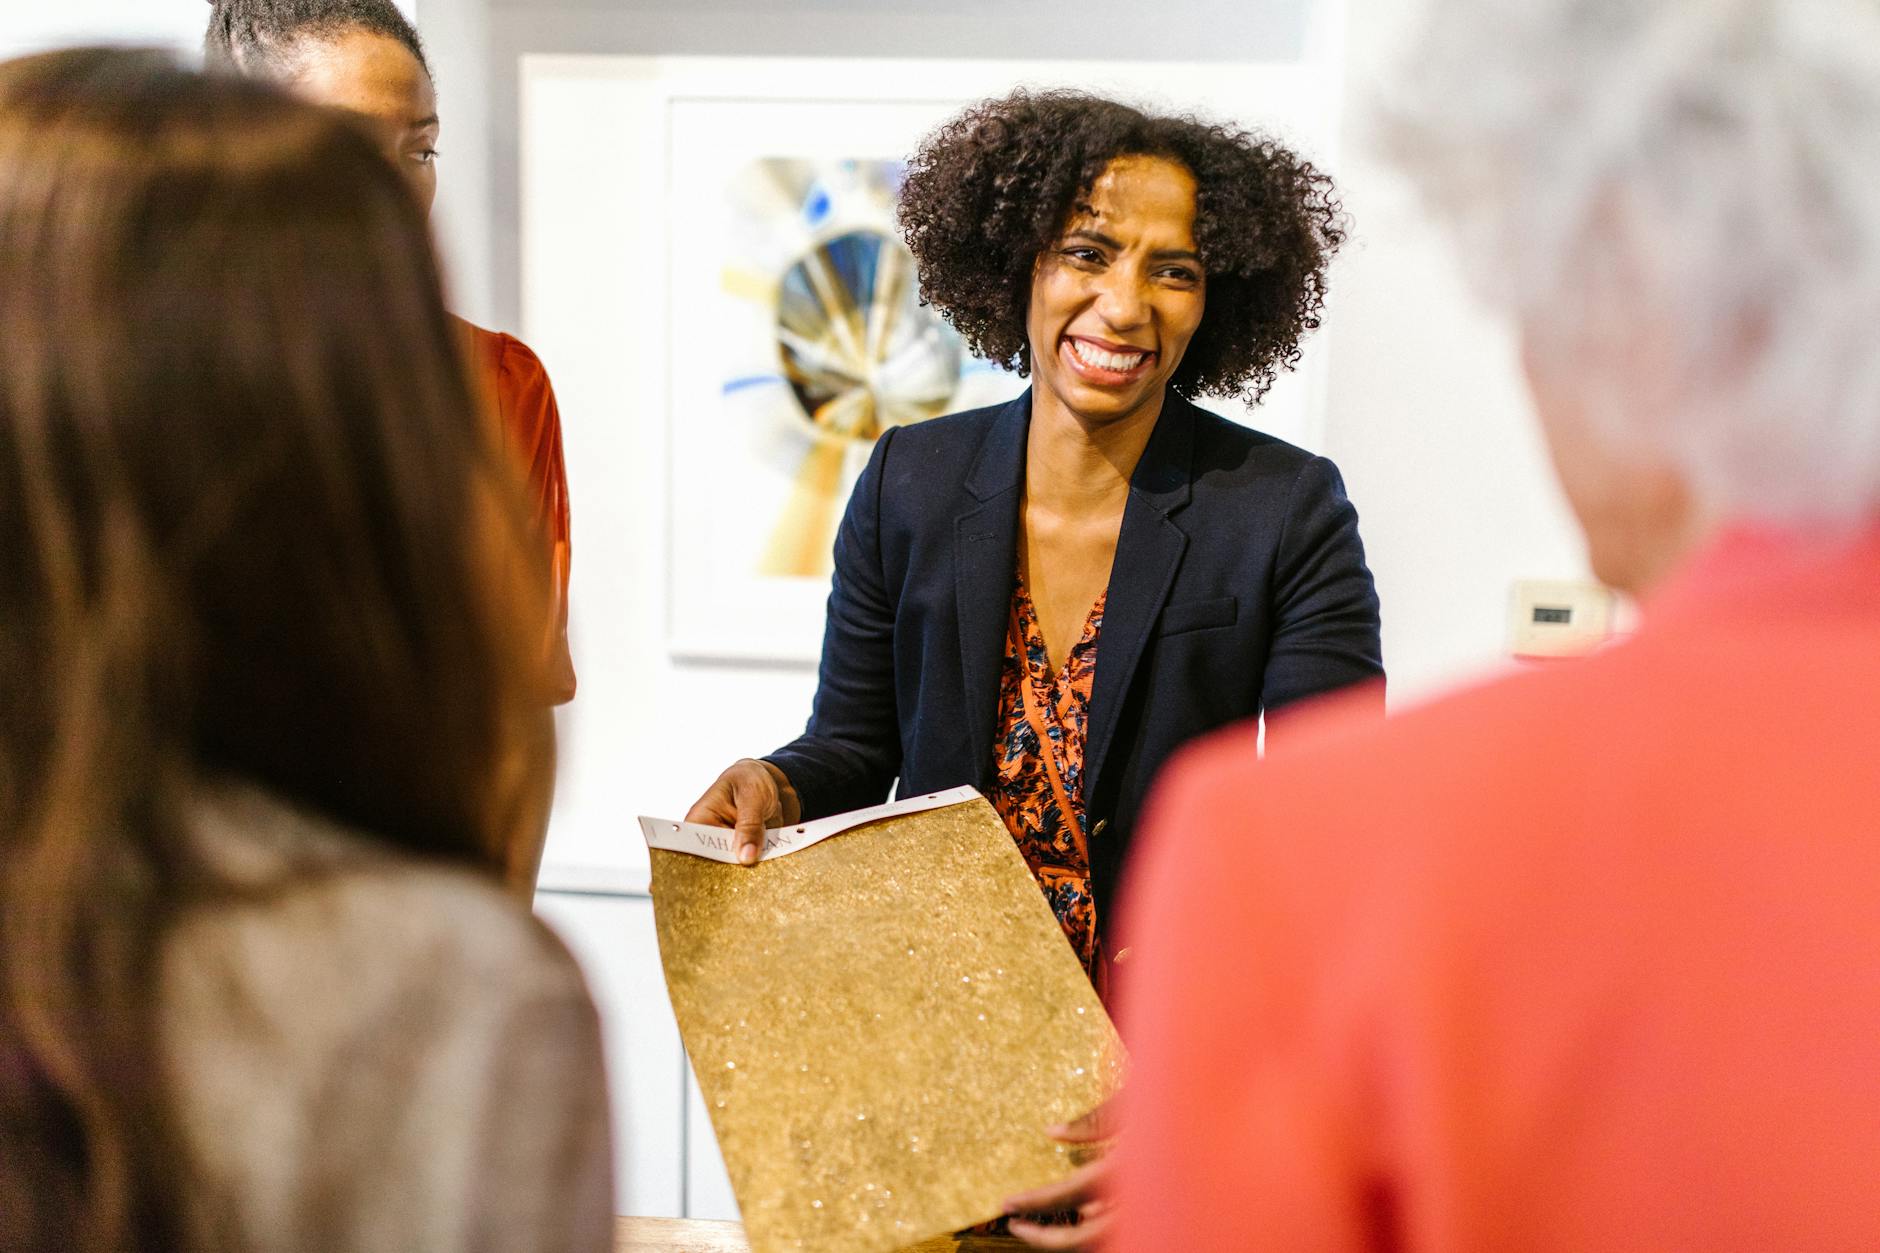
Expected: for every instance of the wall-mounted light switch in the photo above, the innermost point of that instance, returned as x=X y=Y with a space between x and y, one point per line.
x=1554 y=619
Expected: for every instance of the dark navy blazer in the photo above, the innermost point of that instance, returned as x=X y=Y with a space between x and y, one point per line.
x=1239 y=585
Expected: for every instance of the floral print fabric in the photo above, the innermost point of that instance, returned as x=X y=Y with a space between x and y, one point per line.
x=1038 y=785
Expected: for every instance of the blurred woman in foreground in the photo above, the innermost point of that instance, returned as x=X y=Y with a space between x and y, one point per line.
x=268 y=606
x=1587 y=959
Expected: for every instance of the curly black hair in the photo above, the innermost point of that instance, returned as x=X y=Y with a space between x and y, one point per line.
x=259 y=36
x=992 y=188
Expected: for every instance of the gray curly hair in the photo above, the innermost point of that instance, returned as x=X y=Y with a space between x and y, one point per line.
x=1701 y=177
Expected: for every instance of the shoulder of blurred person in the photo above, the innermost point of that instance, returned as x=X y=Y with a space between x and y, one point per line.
x=1502 y=966
x=369 y=1051
x=508 y=369
x=515 y=388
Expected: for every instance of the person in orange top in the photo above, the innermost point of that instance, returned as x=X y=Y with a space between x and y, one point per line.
x=1587 y=958
x=365 y=57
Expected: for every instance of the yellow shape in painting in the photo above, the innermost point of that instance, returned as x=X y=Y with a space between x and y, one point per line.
x=759 y=289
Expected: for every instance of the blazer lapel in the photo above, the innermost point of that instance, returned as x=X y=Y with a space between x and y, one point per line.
x=1148 y=552
x=985 y=547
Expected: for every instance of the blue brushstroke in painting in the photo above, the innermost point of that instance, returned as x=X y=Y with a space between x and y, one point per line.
x=751 y=380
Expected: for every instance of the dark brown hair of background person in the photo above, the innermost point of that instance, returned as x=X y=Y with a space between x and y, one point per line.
x=246 y=35
x=247 y=530
x=993 y=187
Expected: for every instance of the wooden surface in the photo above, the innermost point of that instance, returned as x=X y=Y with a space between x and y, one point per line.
x=691 y=1235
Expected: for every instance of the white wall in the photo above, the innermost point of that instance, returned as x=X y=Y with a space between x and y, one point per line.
x=36 y=25
x=1428 y=417
x=457 y=41
x=612 y=938
x=32 y=26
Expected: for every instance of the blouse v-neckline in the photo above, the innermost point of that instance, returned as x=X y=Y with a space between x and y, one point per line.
x=1052 y=678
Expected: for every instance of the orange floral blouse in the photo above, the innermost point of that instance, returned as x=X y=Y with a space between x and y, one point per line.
x=1038 y=787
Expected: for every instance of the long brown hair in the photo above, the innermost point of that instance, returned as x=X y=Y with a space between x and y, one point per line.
x=251 y=527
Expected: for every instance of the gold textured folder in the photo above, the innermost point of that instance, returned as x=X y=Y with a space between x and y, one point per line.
x=883 y=1021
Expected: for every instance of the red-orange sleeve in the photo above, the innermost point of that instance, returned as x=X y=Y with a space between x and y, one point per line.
x=1236 y=1134
x=532 y=427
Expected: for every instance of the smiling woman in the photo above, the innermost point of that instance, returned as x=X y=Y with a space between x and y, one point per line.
x=1046 y=599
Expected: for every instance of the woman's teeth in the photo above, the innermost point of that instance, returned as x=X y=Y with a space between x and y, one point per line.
x=1120 y=362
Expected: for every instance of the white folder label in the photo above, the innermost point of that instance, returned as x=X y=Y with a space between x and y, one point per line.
x=717 y=844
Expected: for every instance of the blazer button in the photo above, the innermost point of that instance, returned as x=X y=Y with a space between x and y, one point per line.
x=1103 y=824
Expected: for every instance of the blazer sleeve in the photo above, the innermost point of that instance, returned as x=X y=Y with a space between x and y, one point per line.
x=850 y=753
x=1327 y=632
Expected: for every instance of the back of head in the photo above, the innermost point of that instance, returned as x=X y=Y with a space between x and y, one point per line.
x=250 y=528
x=1689 y=185
x=264 y=38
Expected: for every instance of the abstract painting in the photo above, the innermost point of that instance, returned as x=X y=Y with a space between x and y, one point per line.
x=845 y=349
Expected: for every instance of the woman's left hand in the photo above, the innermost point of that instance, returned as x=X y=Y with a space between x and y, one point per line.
x=1083 y=1192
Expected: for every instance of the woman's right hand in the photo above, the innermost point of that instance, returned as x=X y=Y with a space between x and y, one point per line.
x=748 y=797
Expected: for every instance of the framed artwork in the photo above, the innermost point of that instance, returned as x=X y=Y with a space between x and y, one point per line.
x=769 y=321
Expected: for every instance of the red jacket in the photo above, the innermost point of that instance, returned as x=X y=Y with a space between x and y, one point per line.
x=1585 y=959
